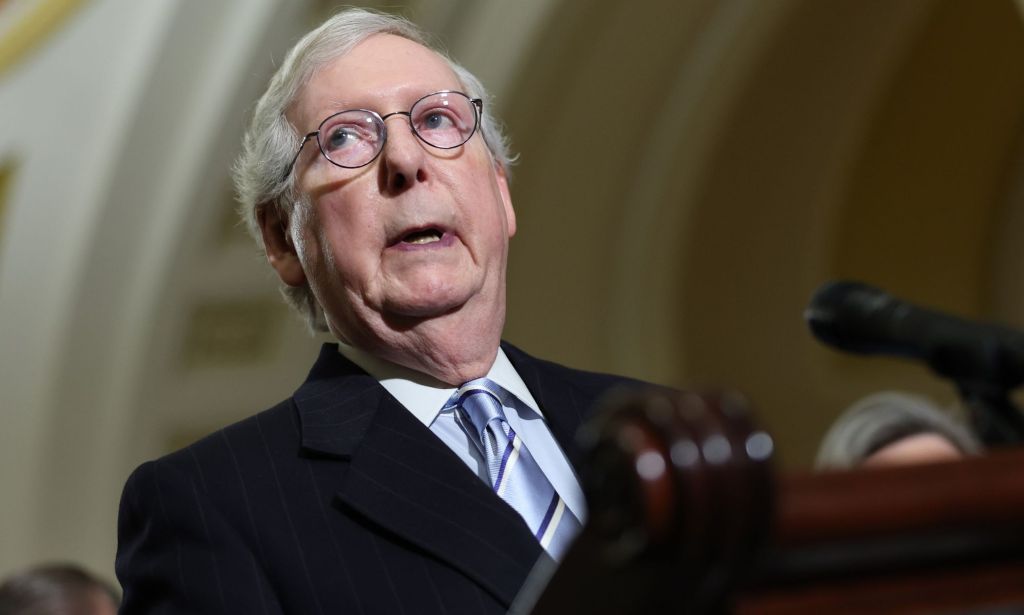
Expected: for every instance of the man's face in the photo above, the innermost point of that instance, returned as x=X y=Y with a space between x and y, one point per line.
x=418 y=233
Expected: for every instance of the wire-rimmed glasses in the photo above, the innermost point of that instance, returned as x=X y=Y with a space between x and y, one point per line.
x=355 y=137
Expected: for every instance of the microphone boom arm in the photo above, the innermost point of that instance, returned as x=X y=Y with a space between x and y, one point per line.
x=984 y=361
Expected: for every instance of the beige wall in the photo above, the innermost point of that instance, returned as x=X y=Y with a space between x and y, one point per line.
x=812 y=140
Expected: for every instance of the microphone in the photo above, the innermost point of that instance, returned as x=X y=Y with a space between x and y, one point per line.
x=862 y=319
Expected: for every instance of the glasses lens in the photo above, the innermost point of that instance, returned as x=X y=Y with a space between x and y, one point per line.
x=445 y=119
x=350 y=138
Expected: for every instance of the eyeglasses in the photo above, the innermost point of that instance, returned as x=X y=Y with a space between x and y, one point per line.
x=354 y=138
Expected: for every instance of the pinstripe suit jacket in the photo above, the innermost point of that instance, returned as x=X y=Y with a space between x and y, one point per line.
x=337 y=500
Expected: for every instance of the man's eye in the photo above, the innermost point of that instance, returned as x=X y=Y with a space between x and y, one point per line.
x=436 y=120
x=341 y=137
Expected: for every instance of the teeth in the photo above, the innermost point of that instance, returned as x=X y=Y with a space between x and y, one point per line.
x=423 y=237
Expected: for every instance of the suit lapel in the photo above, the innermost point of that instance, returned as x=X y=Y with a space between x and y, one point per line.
x=402 y=478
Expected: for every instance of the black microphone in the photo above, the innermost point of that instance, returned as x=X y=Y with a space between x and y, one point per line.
x=859 y=318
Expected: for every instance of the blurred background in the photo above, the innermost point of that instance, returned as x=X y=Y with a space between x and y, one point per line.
x=690 y=172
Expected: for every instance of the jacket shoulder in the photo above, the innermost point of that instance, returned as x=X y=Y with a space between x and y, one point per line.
x=236 y=444
x=583 y=379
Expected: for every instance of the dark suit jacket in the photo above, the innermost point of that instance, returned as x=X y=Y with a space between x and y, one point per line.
x=337 y=500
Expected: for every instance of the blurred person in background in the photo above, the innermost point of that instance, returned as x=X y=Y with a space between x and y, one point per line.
x=894 y=428
x=57 y=589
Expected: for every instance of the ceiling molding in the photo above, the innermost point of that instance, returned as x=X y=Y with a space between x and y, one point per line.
x=29 y=25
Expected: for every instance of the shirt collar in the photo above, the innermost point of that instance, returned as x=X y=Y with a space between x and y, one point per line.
x=425 y=396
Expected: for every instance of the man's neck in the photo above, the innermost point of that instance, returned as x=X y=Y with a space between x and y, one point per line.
x=449 y=353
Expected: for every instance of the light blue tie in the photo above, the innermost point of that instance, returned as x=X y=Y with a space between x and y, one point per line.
x=515 y=475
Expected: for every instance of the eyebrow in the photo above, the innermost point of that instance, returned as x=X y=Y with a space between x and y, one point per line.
x=336 y=105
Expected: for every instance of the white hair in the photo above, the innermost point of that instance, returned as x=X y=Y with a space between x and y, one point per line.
x=883 y=418
x=271 y=140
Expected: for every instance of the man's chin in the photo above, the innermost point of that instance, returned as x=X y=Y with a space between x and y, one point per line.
x=424 y=308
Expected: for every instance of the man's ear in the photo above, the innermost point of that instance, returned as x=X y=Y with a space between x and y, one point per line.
x=279 y=246
x=506 y=197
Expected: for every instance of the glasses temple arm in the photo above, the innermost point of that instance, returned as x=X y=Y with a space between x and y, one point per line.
x=291 y=165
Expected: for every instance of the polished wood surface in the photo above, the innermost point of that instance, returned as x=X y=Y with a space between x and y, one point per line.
x=687 y=517
x=937 y=538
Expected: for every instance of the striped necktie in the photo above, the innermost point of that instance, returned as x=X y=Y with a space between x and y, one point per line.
x=514 y=474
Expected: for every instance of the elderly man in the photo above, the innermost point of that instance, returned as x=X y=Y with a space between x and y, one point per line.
x=424 y=466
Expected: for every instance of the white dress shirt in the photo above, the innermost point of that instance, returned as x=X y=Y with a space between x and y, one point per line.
x=425 y=397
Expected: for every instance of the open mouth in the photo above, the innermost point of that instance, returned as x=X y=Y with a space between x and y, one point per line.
x=423 y=236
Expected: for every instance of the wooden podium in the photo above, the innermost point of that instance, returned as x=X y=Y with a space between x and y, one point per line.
x=687 y=516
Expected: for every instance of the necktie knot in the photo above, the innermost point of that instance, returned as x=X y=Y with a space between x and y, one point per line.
x=480 y=401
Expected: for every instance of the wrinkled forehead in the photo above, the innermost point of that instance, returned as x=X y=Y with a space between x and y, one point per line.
x=383 y=73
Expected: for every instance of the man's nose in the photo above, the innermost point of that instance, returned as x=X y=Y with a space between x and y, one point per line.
x=403 y=156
